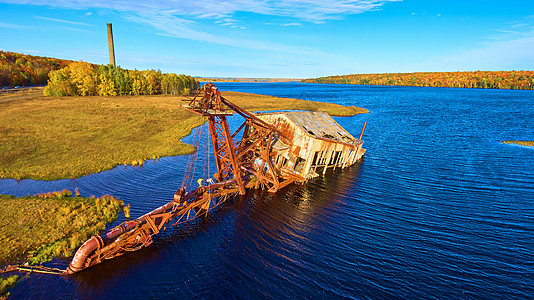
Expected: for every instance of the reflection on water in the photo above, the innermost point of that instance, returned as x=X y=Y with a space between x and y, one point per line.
x=438 y=208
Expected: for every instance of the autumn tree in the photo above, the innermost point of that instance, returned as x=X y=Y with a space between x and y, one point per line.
x=60 y=84
x=19 y=69
x=84 y=79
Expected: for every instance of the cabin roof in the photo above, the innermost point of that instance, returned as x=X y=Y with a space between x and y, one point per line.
x=315 y=124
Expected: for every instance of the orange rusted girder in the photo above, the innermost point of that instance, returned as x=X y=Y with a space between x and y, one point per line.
x=134 y=235
x=225 y=154
x=247 y=165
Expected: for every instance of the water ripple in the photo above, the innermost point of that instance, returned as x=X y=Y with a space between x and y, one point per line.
x=437 y=209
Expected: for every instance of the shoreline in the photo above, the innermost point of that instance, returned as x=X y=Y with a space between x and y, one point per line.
x=55 y=225
x=52 y=138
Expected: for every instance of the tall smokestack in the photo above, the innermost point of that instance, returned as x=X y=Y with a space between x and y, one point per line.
x=110 y=46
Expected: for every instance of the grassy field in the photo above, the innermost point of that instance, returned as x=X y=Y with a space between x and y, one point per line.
x=522 y=143
x=5 y=283
x=37 y=228
x=51 y=138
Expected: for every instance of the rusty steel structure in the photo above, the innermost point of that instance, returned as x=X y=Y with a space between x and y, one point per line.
x=248 y=160
x=267 y=151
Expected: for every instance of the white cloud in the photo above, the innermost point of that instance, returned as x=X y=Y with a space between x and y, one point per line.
x=515 y=32
x=306 y=10
x=16 y=26
x=291 y=24
x=173 y=27
x=180 y=18
x=62 y=21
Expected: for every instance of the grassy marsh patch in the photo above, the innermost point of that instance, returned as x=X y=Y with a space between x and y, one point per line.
x=50 y=138
x=38 y=228
x=5 y=283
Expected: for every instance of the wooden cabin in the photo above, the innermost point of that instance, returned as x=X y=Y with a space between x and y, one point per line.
x=317 y=142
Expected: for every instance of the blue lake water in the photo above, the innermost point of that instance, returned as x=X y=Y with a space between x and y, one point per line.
x=437 y=209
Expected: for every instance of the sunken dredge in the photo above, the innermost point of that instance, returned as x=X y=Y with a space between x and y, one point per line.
x=275 y=150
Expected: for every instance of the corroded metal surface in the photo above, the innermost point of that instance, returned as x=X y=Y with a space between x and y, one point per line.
x=274 y=151
x=134 y=235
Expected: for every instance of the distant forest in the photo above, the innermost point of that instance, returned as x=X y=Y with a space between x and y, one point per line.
x=72 y=78
x=22 y=70
x=517 y=80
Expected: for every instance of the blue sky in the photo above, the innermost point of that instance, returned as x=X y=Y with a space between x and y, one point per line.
x=281 y=38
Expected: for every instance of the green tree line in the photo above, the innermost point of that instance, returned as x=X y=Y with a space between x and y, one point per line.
x=20 y=69
x=85 y=79
x=518 y=80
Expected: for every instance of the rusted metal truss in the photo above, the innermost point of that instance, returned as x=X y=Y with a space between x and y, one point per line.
x=224 y=151
x=252 y=158
x=242 y=163
x=134 y=235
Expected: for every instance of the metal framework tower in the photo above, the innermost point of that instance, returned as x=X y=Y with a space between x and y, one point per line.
x=257 y=160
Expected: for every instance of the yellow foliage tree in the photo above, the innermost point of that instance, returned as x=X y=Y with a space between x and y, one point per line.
x=81 y=74
x=106 y=87
x=59 y=84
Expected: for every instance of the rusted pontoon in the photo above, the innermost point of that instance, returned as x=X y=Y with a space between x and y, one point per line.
x=273 y=151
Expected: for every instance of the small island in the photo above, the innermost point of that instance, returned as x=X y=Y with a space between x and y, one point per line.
x=521 y=143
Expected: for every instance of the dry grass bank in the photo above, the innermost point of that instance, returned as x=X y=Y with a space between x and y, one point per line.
x=51 y=138
x=50 y=225
x=5 y=283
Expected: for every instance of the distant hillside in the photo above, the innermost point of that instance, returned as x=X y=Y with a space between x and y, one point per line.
x=20 y=69
x=77 y=78
x=517 y=80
